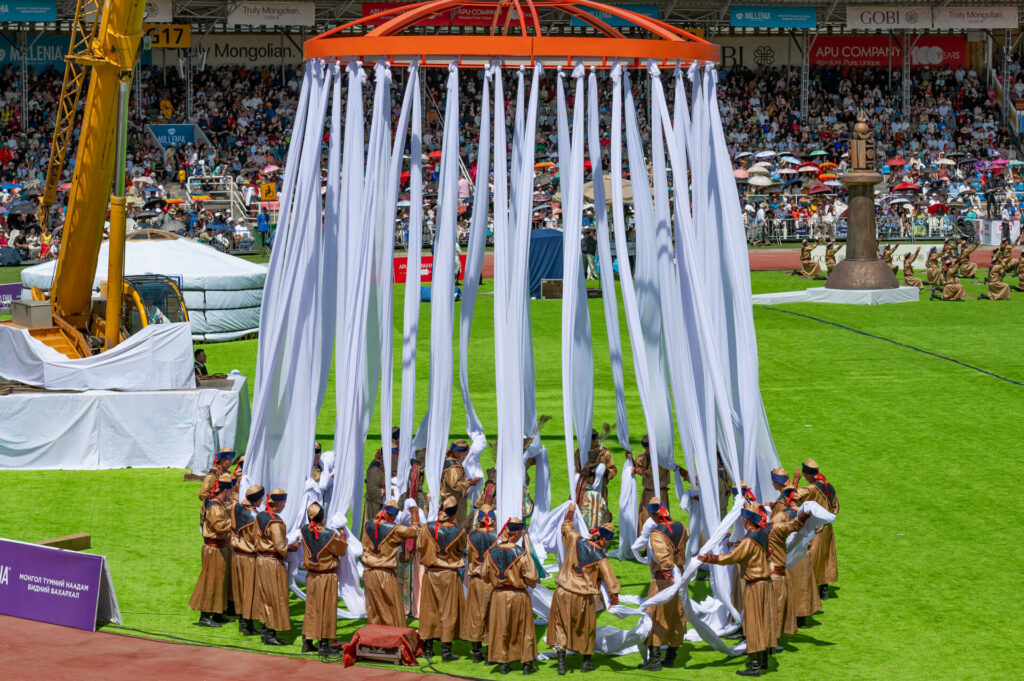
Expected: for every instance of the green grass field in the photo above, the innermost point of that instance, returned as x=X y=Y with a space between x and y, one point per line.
x=913 y=443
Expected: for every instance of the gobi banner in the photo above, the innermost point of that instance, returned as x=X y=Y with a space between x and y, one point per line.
x=56 y=586
x=887 y=17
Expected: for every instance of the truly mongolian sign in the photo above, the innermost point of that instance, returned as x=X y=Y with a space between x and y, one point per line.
x=56 y=586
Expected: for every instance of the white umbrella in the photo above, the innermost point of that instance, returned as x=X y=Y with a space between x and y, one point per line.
x=787 y=171
x=946 y=162
x=761 y=181
x=764 y=154
x=742 y=154
x=764 y=164
x=757 y=170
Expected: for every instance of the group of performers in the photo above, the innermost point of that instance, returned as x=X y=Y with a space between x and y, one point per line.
x=946 y=268
x=473 y=578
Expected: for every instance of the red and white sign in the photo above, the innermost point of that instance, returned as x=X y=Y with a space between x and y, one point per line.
x=874 y=51
x=426 y=267
x=462 y=16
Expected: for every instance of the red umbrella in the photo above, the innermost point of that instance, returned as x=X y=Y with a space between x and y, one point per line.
x=933 y=209
x=906 y=186
x=404 y=177
x=434 y=154
x=897 y=161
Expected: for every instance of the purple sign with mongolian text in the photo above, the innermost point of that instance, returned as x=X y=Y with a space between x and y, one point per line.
x=8 y=293
x=50 y=585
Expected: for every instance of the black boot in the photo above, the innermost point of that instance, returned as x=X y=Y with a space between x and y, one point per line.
x=307 y=645
x=219 y=618
x=529 y=668
x=269 y=638
x=503 y=668
x=478 y=652
x=753 y=665
x=446 y=653
x=428 y=648
x=670 y=656
x=206 y=620
x=242 y=626
x=736 y=635
x=231 y=612
x=325 y=649
x=653 y=663
x=588 y=665
x=250 y=628
x=823 y=592
x=561 y=662
x=764 y=661
x=801 y=622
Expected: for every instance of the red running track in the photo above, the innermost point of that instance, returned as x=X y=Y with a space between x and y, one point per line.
x=36 y=651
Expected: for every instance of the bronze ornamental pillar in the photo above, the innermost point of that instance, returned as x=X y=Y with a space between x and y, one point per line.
x=862 y=269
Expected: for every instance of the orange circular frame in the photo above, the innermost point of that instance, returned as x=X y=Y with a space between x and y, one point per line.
x=515 y=37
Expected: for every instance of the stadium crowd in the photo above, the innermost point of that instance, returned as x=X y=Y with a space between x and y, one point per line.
x=245 y=115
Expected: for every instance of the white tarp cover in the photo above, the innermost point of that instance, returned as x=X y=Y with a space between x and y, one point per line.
x=103 y=429
x=222 y=293
x=159 y=357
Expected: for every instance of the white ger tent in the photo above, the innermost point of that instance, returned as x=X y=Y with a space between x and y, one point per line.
x=222 y=293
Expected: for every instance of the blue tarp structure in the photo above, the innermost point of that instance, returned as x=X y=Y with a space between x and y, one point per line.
x=545 y=258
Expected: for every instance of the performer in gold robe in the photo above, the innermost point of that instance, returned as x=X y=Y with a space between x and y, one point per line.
x=809 y=267
x=642 y=466
x=823 y=546
x=668 y=551
x=888 y=252
x=453 y=479
x=831 y=251
x=321 y=550
x=271 y=574
x=593 y=506
x=382 y=539
x=784 y=523
x=572 y=622
x=751 y=554
x=244 y=535
x=510 y=570
x=952 y=289
x=997 y=288
x=934 y=267
x=908 y=269
x=210 y=596
x=221 y=463
x=478 y=597
x=596 y=455
x=968 y=269
x=440 y=546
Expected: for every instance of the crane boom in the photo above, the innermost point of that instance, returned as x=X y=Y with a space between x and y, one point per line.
x=111 y=56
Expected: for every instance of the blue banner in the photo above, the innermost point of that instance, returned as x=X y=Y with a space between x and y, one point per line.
x=611 y=20
x=28 y=10
x=173 y=134
x=768 y=16
x=44 y=50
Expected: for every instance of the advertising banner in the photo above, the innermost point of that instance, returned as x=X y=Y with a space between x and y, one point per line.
x=462 y=16
x=611 y=20
x=255 y=49
x=43 y=52
x=759 y=51
x=874 y=51
x=8 y=294
x=173 y=134
x=273 y=14
x=158 y=12
x=771 y=16
x=56 y=586
x=983 y=16
x=401 y=266
x=28 y=10
x=888 y=17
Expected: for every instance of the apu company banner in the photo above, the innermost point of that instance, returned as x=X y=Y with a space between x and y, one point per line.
x=56 y=586
x=947 y=51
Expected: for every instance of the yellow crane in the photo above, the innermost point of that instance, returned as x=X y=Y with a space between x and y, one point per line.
x=105 y=36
